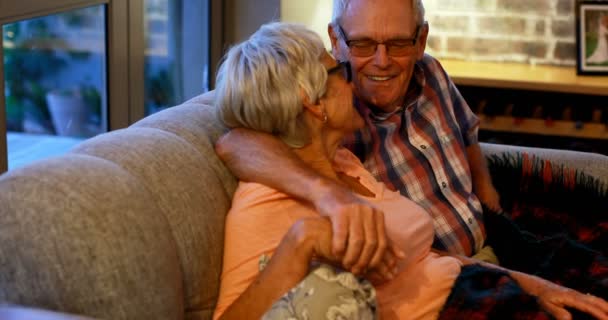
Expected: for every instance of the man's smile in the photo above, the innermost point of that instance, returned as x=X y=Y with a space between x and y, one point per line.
x=379 y=78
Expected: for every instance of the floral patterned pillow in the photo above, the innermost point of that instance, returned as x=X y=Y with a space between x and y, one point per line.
x=327 y=293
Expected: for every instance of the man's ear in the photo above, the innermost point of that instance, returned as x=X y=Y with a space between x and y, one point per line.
x=424 y=33
x=333 y=37
x=314 y=108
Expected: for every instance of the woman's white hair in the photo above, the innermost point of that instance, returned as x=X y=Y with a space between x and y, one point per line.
x=259 y=82
x=340 y=7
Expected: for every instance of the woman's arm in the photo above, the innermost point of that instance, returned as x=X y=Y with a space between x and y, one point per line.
x=358 y=226
x=288 y=266
x=552 y=297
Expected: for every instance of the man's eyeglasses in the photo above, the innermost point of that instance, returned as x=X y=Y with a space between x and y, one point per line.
x=343 y=66
x=368 y=47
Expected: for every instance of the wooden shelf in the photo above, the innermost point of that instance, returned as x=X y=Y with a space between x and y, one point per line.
x=542 y=127
x=525 y=77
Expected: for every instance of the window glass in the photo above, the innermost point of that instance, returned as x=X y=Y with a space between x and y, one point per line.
x=177 y=52
x=55 y=82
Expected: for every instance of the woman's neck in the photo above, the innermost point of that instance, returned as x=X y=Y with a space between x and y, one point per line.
x=319 y=155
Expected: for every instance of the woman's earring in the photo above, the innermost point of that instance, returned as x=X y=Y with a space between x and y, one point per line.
x=324 y=117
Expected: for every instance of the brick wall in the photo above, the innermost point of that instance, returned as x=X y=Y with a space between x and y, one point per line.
x=526 y=31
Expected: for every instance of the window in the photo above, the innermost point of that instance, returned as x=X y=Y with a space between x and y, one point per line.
x=76 y=68
x=177 y=52
x=54 y=82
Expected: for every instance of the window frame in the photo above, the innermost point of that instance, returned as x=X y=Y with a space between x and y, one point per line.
x=125 y=54
x=117 y=56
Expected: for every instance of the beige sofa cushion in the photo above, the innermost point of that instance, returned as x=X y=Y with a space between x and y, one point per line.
x=128 y=225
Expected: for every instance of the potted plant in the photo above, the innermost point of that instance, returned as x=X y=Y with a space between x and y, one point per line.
x=73 y=109
x=33 y=56
x=25 y=65
x=159 y=90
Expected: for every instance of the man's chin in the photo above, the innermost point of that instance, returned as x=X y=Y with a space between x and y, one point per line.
x=379 y=100
x=381 y=104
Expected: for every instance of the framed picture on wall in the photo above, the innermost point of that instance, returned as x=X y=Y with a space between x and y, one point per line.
x=592 y=37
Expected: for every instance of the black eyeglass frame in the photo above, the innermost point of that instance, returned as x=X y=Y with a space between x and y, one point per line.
x=343 y=65
x=349 y=42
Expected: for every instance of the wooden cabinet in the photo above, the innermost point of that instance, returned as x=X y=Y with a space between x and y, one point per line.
x=546 y=104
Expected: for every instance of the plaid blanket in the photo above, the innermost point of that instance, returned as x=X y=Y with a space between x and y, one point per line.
x=545 y=199
x=481 y=293
x=555 y=226
x=555 y=223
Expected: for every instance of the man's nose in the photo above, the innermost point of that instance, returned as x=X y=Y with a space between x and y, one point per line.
x=381 y=58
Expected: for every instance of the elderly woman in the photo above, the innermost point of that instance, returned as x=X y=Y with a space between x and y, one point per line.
x=277 y=251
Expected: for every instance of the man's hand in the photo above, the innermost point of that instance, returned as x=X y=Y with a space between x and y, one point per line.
x=555 y=298
x=482 y=181
x=318 y=233
x=387 y=270
x=489 y=197
x=359 y=235
x=551 y=296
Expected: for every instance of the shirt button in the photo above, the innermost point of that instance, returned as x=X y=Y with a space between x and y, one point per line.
x=443 y=184
x=422 y=146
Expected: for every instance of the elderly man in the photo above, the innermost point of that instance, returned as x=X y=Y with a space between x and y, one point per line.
x=420 y=139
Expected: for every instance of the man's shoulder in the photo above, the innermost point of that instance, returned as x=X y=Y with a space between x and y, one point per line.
x=428 y=59
x=431 y=66
x=433 y=72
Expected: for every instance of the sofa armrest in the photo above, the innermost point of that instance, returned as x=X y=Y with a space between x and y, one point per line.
x=592 y=164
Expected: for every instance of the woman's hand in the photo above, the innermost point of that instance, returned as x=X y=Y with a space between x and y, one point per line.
x=555 y=298
x=289 y=264
x=312 y=238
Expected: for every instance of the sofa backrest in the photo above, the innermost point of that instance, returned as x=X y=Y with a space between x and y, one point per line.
x=128 y=225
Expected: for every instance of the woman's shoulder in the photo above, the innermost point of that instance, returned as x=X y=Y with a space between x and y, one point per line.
x=251 y=195
x=347 y=158
x=347 y=162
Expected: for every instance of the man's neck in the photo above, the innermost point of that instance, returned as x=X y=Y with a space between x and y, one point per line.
x=370 y=110
x=383 y=111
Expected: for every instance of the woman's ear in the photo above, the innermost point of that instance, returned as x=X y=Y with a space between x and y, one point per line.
x=314 y=108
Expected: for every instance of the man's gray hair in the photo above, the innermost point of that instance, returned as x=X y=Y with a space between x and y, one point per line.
x=340 y=7
x=259 y=82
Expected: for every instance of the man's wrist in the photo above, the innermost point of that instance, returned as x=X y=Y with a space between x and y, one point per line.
x=530 y=283
x=321 y=188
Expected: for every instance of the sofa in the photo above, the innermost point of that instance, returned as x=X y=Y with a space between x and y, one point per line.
x=129 y=224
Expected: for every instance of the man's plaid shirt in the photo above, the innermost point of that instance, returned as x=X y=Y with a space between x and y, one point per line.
x=420 y=150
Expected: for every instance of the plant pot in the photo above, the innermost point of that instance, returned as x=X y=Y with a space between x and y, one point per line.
x=68 y=113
